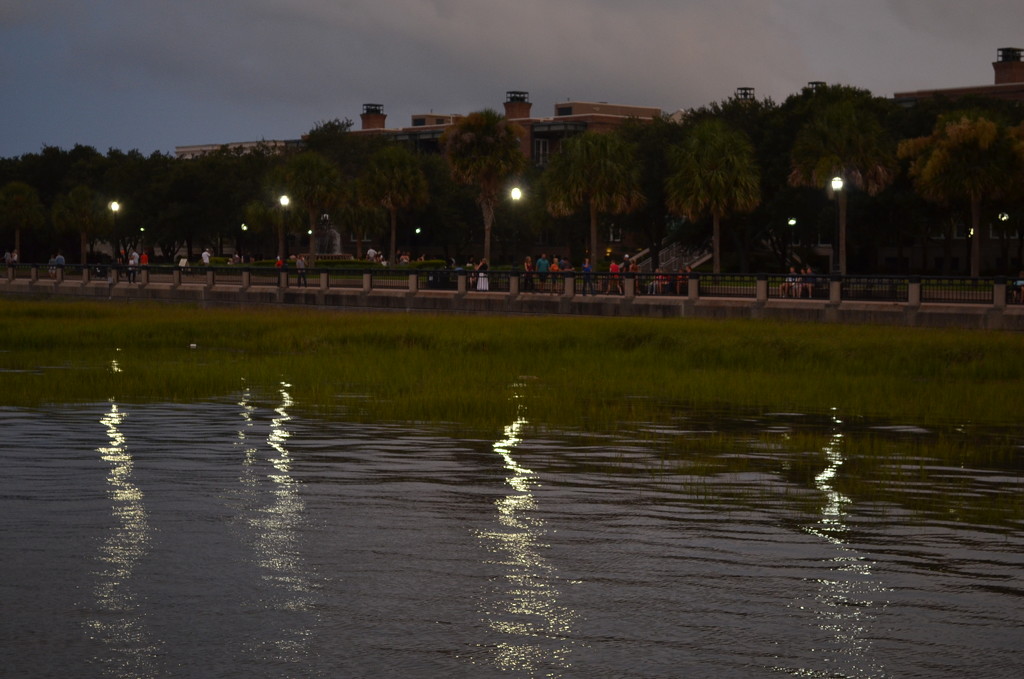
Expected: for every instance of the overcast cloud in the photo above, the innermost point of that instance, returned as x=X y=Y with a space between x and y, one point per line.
x=155 y=74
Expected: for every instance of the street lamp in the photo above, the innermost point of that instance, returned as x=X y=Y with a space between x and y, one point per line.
x=839 y=243
x=792 y=224
x=115 y=207
x=516 y=194
x=284 y=200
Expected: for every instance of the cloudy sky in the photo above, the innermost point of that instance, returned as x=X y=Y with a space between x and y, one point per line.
x=155 y=74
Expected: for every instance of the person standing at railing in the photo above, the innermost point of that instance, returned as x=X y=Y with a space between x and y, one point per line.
x=206 y=257
x=543 y=266
x=1018 y=288
x=528 y=274
x=481 y=275
x=683 y=280
x=300 y=270
x=614 y=279
x=133 y=266
x=588 y=276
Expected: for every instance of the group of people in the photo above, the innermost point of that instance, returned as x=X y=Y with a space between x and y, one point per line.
x=537 y=274
x=10 y=257
x=798 y=283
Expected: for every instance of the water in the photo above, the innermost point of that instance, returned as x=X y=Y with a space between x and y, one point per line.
x=245 y=540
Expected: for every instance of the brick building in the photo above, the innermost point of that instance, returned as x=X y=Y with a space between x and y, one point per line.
x=544 y=134
x=1008 y=85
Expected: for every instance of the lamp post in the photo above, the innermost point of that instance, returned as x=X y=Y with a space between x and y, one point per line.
x=115 y=207
x=284 y=200
x=792 y=225
x=516 y=194
x=839 y=243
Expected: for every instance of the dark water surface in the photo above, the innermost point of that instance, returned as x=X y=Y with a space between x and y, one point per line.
x=245 y=540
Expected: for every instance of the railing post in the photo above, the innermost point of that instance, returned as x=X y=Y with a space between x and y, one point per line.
x=414 y=282
x=513 y=284
x=246 y=279
x=325 y=280
x=176 y=277
x=914 y=291
x=34 y=273
x=693 y=286
x=86 y=275
x=629 y=285
x=761 y=288
x=569 y=290
x=59 y=275
x=835 y=289
x=282 y=278
x=367 y=281
x=145 y=275
x=211 y=278
x=461 y=282
x=999 y=293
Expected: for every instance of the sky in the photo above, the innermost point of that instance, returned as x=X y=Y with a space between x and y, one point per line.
x=155 y=74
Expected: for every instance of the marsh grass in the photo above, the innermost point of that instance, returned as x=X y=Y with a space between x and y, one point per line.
x=570 y=371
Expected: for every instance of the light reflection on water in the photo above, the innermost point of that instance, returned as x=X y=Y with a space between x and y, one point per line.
x=248 y=538
x=119 y=621
x=524 y=606
x=843 y=605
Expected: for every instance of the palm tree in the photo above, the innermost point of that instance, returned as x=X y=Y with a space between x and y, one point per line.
x=483 y=149
x=714 y=172
x=966 y=157
x=845 y=139
x=79 y=211
x=595 y=170
x=393 y=180
x=314 y=182
x=20 y=208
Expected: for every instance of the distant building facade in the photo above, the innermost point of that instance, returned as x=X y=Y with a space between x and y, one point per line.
x=273 y=145
x=543 y=134
x=1008 y=85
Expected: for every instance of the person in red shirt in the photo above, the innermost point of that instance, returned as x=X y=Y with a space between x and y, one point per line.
x=614 y=281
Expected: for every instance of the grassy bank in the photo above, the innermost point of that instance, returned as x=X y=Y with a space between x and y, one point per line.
x=570 y=371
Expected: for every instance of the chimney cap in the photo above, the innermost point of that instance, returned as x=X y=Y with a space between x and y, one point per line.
x=517 y=95
x=373 y=108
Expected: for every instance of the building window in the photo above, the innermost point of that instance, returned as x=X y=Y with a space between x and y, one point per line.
x=541 y=151
x=614 y=233
x=563 y=110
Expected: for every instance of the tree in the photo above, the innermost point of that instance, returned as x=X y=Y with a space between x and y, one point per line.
x=596 y=170
x=394 y=181
x=313 y=182
x=844 y=139
x=20 y=209
x=483 y=149
x=967 y=157
x=714 y=172
x=79 y=212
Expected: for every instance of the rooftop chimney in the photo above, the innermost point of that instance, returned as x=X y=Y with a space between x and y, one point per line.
x=517 y=105
x=373 y=117
x=1008 y=65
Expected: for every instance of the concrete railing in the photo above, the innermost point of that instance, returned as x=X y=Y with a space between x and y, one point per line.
x=908 y=300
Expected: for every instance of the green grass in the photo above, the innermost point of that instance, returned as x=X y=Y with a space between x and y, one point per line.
x=571 y=371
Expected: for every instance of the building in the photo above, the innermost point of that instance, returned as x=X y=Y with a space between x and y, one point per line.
x=1008 y=85
x=274 y=145
x=544 y=134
